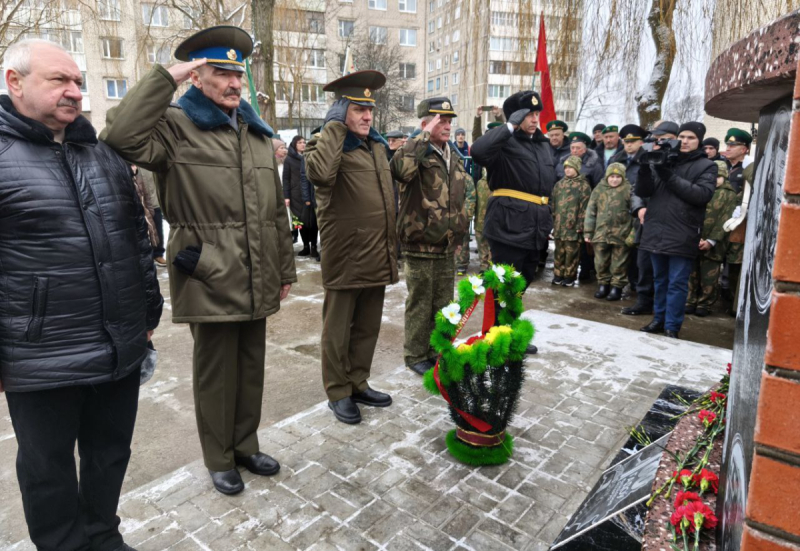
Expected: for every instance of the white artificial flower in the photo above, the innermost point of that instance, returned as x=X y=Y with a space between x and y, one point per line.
x=477 y=285
x=516 y=273
x=502 y=304
x=500 y=271
x=452 y=312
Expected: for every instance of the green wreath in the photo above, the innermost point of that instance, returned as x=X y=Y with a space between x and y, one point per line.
x=484 y=374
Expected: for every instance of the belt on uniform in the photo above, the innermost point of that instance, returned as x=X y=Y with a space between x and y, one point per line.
x=529 y=197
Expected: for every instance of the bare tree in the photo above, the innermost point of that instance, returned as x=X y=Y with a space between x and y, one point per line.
x=688 y=108
x=263 y=21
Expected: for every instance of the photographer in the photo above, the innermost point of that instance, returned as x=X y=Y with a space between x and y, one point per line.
x=679 y=183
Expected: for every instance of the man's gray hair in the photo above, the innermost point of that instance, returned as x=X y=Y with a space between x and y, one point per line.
x=18 y=56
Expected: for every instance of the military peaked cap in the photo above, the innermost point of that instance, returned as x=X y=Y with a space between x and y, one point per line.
x=632 y=133
x=435 y=106
x=611 y=128
x=580 y=137
x=358 y=87
x=224 y=46
x=736 y=136
x=558 y=125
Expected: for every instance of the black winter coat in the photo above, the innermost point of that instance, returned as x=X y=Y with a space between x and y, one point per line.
x=523 y=163
x=677 y=204
x=78 y=289
x=293 y=181
x=560 y=154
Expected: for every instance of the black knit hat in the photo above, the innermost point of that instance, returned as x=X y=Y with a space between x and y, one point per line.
x=713 y=142
x=696 y=128
x=598 y=128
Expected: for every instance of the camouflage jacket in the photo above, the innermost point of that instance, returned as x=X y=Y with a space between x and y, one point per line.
x=568 y=201
x=608 y=216
x=433 y=211
x=483 y=193
x=718 y=211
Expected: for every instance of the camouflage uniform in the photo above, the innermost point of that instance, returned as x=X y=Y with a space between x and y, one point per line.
x=569 y=200
x=431 y=223
x=462 y=260
x=734 y=254
x=483 y=193
x=609 y=226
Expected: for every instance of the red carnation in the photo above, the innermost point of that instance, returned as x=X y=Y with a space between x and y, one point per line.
x=702 y=515
x=707 y=417
x=718 y=397
x=706 y=479
x=729 y=369
x=682 y=520
x=684 y=498
x=685 y=476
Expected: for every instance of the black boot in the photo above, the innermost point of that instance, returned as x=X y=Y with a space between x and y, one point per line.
x=314 y=253
x=306 y=250
x=615 y=294
x=531 y=350
x=642 y=307
x=602 y=291
x=653 y=327
x=568 y=282
x=557 y=280
x=702 y=312
x=690 y=309
x=227 y=482
x=671 y=334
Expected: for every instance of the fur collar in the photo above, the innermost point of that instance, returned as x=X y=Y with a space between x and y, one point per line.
x=80 y=131
x=351 y=141
x=207 y=116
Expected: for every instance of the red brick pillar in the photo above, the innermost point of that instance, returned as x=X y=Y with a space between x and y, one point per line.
x=773 y=504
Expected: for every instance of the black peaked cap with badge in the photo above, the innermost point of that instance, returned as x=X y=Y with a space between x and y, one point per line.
x=224 y=46
x=527 y=99
x=632 y=133
x=358 y=87
x=435 y=106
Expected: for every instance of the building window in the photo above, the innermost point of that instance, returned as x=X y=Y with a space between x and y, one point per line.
x=454 y=99
x=409 y=6
x=74 y=42
x=505 y=18
x=447 y=61
x=431 y=47
x=160 y=55
x=445 y=81
x=438 y=83
x=346 y=28
x=455 y=57
x=316 y=22
x=155 y=16
x=439 y=63
x=430 y=65
x=499 y=90
x=457 y=14
x=503 y=44
x=313 y=93
x=439 y=22
x=432 y=5
x=447 y=40
x=407 y=103
x=108 y=10
x=456 y=35
x=431 y=26
x=112 y=47
x=377 y=4
x=455 y=78
x=284 y=91
x=430 y=86
x=378 y=35
x=408 y=70
x=189 y=16
x=84 y=85
x=316 y=58
x=408 y=37
x=116 y=88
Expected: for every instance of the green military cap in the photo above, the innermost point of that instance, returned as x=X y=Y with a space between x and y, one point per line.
x=435 y=106
x=736 y=136
x=632 y=133
x=224 y=46
x=611 y=128
x=580 y=137
x=558 y=125
x=615 y=168
x=722 y=169
x=358 y=87
x=494 y=124
x=573 y=161
x=394 y=134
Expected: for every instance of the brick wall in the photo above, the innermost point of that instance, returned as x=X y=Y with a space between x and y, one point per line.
x=773 y=505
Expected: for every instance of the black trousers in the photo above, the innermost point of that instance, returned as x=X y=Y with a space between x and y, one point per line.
x=525 y=261
x=645 y=288
x=586 y=263
x=64 y=513
x=158 y=220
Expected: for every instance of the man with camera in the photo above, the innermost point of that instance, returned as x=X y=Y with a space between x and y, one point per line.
x=679 y=182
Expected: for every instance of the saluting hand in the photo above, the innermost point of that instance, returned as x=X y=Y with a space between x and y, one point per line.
x=432 y=124
x=517 y=117
x=180 y=72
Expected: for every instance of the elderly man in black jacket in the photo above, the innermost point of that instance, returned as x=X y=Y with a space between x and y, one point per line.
x=519 y=161
x=80 y=302
x=678 y=192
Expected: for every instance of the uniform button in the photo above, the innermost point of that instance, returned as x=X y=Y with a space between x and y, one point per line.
x=100 y=264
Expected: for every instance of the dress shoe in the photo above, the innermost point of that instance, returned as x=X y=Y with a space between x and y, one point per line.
x=702 y=312
x=531 y=350
x=690 y=309
x=373 y=398
x=615 y=294
x=227 y=482
x=602 y=291
x=305 y=252
x=671 y=334
x=568 y=282
x=557 y=280
x=421 y=368
x=653 y=327
x=638 y=309
x=346 y=411
x=259 y=463
x=161 y=261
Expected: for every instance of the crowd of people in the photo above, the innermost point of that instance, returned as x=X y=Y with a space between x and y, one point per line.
x=80 y=245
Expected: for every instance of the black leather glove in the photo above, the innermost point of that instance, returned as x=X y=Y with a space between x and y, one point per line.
x=518 y=116
x=338 y=111
x=187 y=259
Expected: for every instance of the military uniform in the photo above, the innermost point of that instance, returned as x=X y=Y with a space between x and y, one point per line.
x=561 y=153
x=609 y=227
x=431 y=224
x=471 y=203
x=734 y=254
x=569 y=201
x=705 y=276
x=240 y=229
x=356 y=216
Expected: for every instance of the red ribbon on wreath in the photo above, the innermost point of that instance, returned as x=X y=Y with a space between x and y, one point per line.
x=488 y=322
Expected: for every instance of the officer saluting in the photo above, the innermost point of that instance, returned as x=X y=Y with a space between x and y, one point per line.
x=230 y=249
x=347 y=162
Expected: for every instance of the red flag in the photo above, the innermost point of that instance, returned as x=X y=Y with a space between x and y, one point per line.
x=549 y=111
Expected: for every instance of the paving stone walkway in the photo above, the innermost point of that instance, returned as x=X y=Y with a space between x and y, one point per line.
x=390 y=484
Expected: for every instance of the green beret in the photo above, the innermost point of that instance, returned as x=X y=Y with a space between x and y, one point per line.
x=611 y=128
x=736 y=136
x=722 y=169
x=615 y=168
x=580 y=137
x=558 y=125
x=494 y=124
x=574 y=162
x=435 y=106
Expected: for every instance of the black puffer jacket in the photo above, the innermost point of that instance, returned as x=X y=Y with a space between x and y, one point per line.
x=523 y=163
x=677 y=204
x=78 y=288
x=293 y=176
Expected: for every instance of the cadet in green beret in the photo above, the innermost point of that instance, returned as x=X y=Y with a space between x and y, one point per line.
x=569 y=200
x=431 y=223
x=611 y=144
x=556 y=133
x=737 y=146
